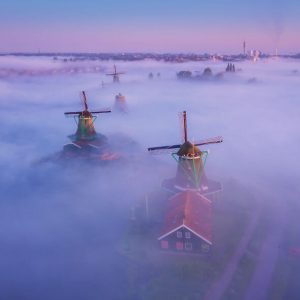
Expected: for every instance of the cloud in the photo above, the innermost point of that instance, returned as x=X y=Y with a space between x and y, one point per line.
x=60 y=225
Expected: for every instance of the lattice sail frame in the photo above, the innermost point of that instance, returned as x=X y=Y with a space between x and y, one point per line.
x=196 y=175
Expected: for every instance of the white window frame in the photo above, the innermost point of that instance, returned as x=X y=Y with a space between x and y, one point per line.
x=186 y=247
x=187 y=235
x=179 y=234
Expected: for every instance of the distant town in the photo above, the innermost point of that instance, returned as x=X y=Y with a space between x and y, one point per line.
x=166 y=57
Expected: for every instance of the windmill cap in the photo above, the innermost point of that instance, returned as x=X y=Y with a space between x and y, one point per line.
x=86 y=114
x=188 y=149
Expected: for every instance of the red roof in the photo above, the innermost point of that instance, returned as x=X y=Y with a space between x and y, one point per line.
x=191 y=210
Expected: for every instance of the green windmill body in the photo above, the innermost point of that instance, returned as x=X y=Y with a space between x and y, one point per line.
x=85 y=127
x=85 y=122
x=190 y=169
x=190 y=162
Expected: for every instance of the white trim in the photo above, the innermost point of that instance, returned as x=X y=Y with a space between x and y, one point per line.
x=168 y=233
x=204 y=187
x=200 y=236
x=73 y=145
x=192 y=190
x=189 y=157
x=214 y=192
x=94 y=146
x=184 y=189
x=85 y=118
x=188 y=228
x=202 y=196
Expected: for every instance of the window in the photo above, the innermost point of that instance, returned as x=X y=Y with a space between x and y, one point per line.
x=187 y=235
x=188 y=246
x=179 y=234
x=179 y=245
x=164 y=244
x=205 y=247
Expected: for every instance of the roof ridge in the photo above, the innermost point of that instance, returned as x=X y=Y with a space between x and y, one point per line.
x=187 y=205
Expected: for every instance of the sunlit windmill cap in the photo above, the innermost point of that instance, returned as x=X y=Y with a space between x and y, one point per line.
x=188 y=149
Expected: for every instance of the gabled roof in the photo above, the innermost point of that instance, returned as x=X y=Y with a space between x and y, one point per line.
x=191 y=210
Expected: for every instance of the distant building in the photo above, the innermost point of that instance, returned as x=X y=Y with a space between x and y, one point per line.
x=150 y=75
x=230 y=67
x=255 y=53
x=207 y=72
x=187 y=223
x=184 y=75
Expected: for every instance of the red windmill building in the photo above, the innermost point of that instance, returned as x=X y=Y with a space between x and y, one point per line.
x=187 y=225
x=191 y=161
x=86 y=140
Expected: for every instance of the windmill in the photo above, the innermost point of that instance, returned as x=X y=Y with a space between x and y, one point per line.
x=85 y=121
x=115 y=75
x=191 y=161
x=120 y=103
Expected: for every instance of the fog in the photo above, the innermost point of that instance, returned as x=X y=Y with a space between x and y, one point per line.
x=61 y=224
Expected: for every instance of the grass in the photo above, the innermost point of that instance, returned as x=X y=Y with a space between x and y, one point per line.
x=285 y=280
x=241 y=278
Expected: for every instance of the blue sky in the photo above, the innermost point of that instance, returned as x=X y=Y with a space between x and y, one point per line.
x=266 y=24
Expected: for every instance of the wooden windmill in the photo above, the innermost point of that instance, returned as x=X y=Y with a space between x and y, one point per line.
x=115 y=75
x=191 y=161
x=85 y=120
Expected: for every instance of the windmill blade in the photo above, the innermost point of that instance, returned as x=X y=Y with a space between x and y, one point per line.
x=214 y=140
x=104 y=111
x=163 y=151
x=170 y=149
x=115 y=72
x=73 y=113
x=183 y=126
x=83 y=97
x=164 y=148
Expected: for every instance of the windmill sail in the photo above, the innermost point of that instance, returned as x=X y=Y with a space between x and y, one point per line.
x=190 y=161
x=115 y=74
x=164 y=147
x=85 y=120
x=214 y=140
x=106 y=110
x=168 y=149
